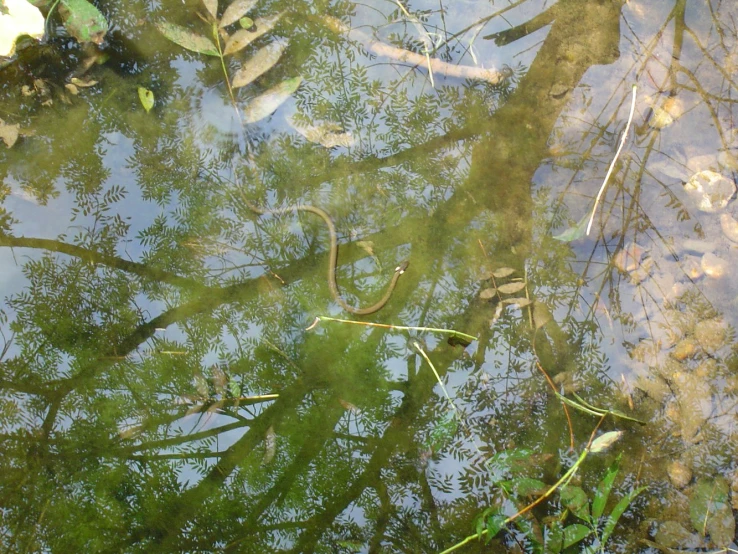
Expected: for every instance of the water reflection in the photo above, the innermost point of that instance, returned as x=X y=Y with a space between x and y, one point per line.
x=161 y=389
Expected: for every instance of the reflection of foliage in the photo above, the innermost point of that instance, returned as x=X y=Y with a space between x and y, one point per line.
x=119 y=433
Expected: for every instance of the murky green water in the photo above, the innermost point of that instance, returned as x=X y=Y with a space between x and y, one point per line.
x=166 y=386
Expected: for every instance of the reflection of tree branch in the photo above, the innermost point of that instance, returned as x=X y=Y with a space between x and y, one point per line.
x=93 y=257
x=507 y=36
x=436 y=65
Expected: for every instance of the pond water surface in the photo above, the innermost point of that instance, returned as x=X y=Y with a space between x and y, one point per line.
x=179 y=374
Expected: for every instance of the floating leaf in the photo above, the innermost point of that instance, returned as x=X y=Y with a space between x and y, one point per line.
x=521 y=302
x=212 y=7
x=495 y=524
x=605 y=441
x=486 y=294
x=604 y=489
x=146 y=97
x=575 y=533
x=502 y=272
x=576 y=501
x=541 y=314
x=710 y=511
x=187 y=39
x=328 y=134
x=260 y=63
x=507 y=463
x=83 y=21
x=266 y=104
x=617 y=511
x=9 y=133
x=510 y=288
x=525 y=486
x=576 y=232
x=241 y=39
x=235 y=11
x=20 y=18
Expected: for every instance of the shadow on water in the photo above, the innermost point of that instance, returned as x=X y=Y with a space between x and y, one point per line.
x=166 y=386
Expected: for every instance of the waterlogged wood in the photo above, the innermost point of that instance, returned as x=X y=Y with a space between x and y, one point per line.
x=259 y=64
x=187 y=39
x=267 y=103
x=241 y=39
x=435 y=65
x=235 y=11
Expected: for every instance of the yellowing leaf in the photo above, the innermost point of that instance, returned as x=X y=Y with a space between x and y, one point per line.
x=187 y=39
x=212 y=7
x=241 y=39
x=147 y=98
x=267 y=103
x=260 y=63
x=234 y=12
x=503 y=272
x=510 y=288
x=605 y=441
x=21 y=18
x=9 y=133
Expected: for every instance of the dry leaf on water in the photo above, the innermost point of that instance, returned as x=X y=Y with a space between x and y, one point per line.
x=241 y=39
x=234 y=12
x=9 y=133
x=266 y=104
x=260 y=63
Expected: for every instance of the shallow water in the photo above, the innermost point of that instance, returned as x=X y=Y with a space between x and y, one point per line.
x=163 y=388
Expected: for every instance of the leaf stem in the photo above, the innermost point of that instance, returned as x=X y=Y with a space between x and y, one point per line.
x=614 y=160
x=451 y=332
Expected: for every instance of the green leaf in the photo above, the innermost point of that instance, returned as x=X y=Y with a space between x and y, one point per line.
x=576 y=232
x=83 y=21
x=234 y=388
x=617 y=511
x=554 y=538
x=443 y=432
x=266 y=104
x=524 y=486
x=495 y=525
x=188 y=39
x=508 y=463
x=247 y=23
x=575 y=533
x=710 y=511
x=146 y=97
x=575 y=500
x=604 y=488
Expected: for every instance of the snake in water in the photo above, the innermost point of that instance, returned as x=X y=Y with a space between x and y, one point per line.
x=332 y=284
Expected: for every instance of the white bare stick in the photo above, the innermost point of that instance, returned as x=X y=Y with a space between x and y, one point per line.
x=614 y=160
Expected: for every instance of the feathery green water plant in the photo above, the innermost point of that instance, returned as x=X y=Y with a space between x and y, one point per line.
x=511 y=474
